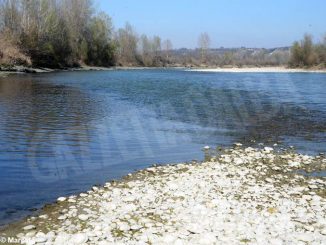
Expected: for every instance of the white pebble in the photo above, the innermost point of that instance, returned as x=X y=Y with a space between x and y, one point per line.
x=61 y=199
x=77 y=239
x=83 y=217
x=29 y=227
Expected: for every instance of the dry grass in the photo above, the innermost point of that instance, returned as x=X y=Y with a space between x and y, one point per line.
x=10 y=53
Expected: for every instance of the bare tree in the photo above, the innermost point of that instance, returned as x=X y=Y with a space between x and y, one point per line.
x=146 y=50
x=77 y=15
x=167 y=47
x=204 y=43
x=156 y=45
x=127 y=40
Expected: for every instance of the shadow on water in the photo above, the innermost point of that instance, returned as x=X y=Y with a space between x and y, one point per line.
x=36 y=120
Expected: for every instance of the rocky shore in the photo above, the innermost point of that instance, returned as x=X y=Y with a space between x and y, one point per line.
x=24 y=69
x=238 y=196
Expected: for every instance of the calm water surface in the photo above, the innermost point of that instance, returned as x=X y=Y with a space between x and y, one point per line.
x=62 y=132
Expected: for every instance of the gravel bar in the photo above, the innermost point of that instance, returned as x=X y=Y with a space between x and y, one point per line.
x=239 y=196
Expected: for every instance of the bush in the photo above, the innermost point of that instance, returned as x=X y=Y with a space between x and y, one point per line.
x=307 y=54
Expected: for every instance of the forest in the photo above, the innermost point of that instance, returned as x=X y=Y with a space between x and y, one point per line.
x=73 y=33
x=55 y=33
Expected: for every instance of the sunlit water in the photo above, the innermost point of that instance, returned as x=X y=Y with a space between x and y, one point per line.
x=62 y=132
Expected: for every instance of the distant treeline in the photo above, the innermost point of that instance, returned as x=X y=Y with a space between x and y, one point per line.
x=67 y=33
x=232 y=57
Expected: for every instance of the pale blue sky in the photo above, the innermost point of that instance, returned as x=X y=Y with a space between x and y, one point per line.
x=230 y=23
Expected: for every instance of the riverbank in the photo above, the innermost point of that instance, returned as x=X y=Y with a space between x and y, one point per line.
x=26 y=70
x=240 y=196
x=277 y=69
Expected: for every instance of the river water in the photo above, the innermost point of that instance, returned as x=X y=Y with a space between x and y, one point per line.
x=62 y=132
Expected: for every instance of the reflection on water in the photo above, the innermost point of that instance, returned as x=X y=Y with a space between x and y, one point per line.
x=62 y=132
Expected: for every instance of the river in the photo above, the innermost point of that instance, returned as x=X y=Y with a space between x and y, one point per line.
x=62 y=132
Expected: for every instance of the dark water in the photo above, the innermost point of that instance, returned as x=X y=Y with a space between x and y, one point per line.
x=62 y=132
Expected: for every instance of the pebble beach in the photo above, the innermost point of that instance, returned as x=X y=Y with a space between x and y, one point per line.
x=240 y=195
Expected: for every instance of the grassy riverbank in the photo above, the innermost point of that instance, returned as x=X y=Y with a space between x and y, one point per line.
x=241 y=196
